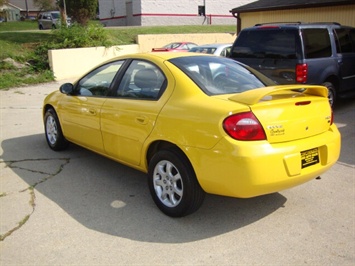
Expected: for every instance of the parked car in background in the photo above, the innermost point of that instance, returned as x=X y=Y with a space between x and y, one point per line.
x=50 y=20
x=196 y=124
x=175 y=47
x=220 y=49
x=312 y=53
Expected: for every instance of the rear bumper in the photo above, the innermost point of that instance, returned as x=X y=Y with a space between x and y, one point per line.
x=248 y=169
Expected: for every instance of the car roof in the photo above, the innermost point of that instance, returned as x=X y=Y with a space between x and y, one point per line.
x=297 y=25
x=155 y=55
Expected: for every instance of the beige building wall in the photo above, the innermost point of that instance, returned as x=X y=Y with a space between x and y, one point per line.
x=344 y=15
x=72 y=63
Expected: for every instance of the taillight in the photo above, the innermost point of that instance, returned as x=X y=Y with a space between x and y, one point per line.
x=301 y=73
x=244 y=126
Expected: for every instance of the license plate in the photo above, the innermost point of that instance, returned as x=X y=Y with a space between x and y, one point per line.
x=309 y=157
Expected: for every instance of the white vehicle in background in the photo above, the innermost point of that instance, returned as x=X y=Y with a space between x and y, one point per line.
x=50 y=20
x=221 y=49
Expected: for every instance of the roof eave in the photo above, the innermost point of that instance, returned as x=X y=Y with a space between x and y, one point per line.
x=288 y=7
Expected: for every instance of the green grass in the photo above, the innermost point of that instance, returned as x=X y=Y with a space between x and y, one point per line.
x=19 y=44
x=18 y=26
x=18 y=40
x=127 y=35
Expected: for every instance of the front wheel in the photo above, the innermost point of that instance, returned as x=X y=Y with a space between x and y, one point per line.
x=173 y=184
x=53 y=131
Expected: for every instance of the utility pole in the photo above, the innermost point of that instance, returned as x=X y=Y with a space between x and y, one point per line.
x=26 y=9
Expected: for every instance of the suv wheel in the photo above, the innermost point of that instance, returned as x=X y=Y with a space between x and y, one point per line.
x=331 y=92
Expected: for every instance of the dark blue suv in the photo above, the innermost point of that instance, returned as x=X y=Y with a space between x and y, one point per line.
x=312 y=53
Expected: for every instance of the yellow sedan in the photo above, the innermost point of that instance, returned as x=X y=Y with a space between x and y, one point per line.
x=196 y=124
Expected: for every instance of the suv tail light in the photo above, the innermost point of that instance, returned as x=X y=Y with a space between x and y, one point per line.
x=301 y=73
x=244 y=126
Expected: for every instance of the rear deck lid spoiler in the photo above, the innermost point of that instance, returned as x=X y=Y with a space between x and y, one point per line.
x=263 y=94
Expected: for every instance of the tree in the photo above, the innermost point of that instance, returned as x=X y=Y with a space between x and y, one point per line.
x=2 y=2
x=80 y=10
x=44 y=4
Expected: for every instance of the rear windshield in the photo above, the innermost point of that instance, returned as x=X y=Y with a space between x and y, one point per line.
x=219 y=75
x=204 y=50
x=267 y=43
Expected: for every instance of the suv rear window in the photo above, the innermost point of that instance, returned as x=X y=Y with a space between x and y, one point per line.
x=316 y=43
x=266 y=43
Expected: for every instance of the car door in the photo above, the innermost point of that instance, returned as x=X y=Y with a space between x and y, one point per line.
x=81 y=113
x=129 y=117
x=346 y=57
x=47 y=21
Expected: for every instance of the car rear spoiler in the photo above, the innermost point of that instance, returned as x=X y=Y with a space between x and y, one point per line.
x=254 y=96
x=160 y=50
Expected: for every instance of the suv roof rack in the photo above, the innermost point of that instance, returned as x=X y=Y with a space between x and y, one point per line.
x=326 y=23
x=271 y=23
x=298 y=23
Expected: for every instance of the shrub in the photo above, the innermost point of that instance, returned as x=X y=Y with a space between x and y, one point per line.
x=75 y=36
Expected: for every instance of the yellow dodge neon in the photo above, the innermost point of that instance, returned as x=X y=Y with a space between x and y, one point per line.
x=196 y=124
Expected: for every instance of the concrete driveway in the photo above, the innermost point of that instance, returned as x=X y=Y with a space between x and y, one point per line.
x=76 y=207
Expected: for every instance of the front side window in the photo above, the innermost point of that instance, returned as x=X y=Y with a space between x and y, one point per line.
x=226 y=52
x=55 y=15
x=316 y=43
x=345 y=44
x=98 y=82
x=219 y=75
x=203 y=50
x=142 y=80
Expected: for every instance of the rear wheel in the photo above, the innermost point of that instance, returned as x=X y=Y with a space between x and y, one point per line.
x=331 y=92
x=53 y=131
x=173 y=184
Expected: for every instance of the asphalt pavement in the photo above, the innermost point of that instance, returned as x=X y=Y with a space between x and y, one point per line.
x=78 y=208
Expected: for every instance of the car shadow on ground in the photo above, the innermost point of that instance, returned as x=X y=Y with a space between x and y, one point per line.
x=344 y=114
x=111 y=198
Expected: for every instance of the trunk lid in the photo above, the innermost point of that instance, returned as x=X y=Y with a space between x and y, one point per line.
x=289 y=112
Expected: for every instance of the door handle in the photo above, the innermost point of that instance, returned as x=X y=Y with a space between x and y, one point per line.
x=142 y=120
x=92 y=111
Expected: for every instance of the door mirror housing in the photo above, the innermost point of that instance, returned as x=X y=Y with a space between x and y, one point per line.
x=67 y=88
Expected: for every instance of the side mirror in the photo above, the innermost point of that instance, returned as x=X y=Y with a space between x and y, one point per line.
x=67 y=88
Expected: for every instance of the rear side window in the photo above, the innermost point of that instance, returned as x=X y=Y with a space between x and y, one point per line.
x=316 y=43
x=345 y=40
x=266 y=43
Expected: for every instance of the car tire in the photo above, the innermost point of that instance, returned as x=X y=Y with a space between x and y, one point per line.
x=53 y=131
x=331 y=92
x=173 y=184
